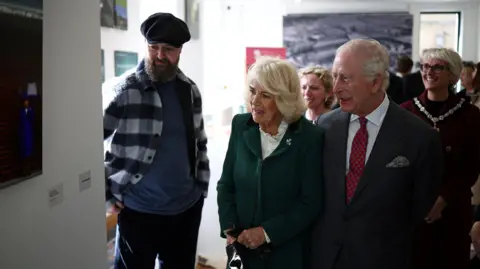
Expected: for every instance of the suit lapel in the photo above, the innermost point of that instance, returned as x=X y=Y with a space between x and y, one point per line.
x=339 y=155
x=388 y=136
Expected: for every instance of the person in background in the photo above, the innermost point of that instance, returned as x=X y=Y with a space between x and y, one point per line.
x=404 y=65
x=382 y=168
x=395 y=88
x=316 y=84
x=468 y=91
x=156 y=159
x=271 y=184
x=442 y=239
x=413 y=84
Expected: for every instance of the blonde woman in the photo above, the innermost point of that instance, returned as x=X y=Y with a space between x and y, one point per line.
x=443 y=239
x=270 y=191
x=317 y=85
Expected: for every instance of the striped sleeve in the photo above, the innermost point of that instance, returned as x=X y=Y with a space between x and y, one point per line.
x=112 y=111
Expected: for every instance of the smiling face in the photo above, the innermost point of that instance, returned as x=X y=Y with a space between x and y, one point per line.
x=264 y=107
x=436 y=74
x=313 y=90
x=352 y=89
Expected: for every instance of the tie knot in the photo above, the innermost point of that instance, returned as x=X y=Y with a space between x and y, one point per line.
x=363 y=122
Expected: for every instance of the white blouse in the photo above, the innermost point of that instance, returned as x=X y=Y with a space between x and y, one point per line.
x=271 y=142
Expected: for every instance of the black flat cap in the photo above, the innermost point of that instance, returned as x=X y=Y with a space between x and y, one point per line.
x=165 y=28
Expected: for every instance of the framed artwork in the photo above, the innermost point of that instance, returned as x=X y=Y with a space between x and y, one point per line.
x=21 y=90
x=312 y=39
x=107 y=13
x=192 y=17
x=124 y=60
x=121 y=15
x=252 y=53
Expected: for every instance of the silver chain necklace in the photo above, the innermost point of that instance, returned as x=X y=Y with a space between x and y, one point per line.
x=435 y=120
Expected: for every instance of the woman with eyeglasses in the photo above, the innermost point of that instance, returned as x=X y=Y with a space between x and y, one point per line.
x=442 y=241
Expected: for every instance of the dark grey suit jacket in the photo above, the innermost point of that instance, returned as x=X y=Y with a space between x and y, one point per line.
x=375 y=230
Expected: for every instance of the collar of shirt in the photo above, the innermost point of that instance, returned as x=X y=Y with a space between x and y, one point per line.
x=282 y=128
x=377 y=116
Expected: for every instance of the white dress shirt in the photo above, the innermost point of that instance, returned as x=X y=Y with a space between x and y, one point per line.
x=374 y=122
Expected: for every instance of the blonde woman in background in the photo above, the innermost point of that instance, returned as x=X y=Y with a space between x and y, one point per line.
x=270 y=191
x=317 y=84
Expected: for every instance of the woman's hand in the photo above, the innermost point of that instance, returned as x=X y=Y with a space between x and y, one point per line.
x=230 y=240
x=252 y=238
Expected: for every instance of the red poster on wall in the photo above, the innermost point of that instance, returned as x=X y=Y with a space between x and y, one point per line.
x=253 y=53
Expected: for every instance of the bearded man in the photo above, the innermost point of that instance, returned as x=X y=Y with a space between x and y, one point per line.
x=157 y=170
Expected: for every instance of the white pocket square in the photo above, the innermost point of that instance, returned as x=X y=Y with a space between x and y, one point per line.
x=398 y=162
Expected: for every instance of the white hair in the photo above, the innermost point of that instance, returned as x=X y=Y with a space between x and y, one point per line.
x=377 y=59
x=449 y=56
x=279 y=78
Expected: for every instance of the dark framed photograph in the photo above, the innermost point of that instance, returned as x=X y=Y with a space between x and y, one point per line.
x=21 y=90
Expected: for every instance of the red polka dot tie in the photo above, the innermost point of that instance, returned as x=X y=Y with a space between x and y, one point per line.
x=357 y=158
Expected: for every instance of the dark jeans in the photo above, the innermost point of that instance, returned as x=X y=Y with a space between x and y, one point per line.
x=142 y=237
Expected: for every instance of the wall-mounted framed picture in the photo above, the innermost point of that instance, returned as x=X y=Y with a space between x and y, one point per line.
x=312 y=39
x=107 y=13
x=21 y=90
x=124 y=60
x=121 y=14
x=192 y=17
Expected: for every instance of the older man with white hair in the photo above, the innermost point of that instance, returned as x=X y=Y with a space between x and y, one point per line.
x=382 y=168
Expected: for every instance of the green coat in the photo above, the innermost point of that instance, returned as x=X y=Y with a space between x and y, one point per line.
x=282 y=194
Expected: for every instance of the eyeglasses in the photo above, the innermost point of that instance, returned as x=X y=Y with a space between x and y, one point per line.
x=437 y=68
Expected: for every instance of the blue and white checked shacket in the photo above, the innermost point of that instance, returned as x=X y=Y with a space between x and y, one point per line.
x=132 y=120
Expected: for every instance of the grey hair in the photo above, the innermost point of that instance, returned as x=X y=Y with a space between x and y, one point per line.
x=451 y=57
x=376 y=55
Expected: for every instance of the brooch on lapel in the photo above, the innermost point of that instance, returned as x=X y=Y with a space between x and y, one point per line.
x=288 y=141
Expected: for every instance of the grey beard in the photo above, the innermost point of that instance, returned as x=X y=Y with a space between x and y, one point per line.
x=160 y=76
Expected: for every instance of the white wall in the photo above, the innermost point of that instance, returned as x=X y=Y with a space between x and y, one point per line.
x=72 y=234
